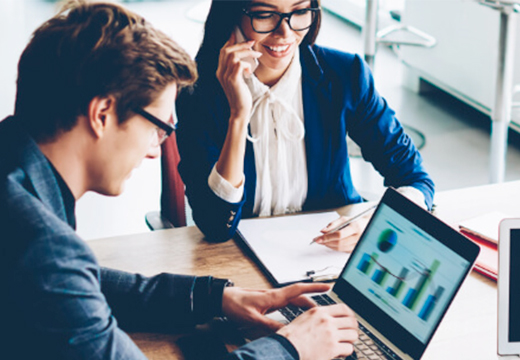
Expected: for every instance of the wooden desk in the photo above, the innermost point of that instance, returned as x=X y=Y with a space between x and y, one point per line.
x=178 y=251
x=467 y=332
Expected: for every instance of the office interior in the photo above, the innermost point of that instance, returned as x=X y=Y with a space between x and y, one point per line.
x=443 y=94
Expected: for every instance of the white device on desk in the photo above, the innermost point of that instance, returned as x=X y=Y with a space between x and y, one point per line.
x=401 y=278
x=509 y=289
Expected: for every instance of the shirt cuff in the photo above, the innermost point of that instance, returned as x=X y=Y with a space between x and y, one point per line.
x=223 y=188
x=414 y=194
x=206 y=295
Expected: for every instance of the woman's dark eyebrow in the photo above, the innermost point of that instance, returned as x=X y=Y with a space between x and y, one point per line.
x=273 y=6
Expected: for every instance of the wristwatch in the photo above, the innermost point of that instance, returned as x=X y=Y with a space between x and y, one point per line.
x=217 y=291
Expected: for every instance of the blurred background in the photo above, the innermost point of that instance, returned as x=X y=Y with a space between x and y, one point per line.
x=443 y=94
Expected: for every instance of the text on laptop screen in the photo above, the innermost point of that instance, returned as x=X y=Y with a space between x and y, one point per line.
x=405 y=272
x=514 y=286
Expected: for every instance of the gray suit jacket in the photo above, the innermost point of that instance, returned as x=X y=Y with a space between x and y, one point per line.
x=57 y=302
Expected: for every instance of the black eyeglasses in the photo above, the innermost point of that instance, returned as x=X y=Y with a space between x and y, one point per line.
x=264 y=22
x=164 y=129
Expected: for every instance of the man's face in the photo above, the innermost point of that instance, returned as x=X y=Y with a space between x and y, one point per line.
x=126 y=145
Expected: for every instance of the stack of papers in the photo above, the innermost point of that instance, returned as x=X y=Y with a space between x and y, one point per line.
x=484 y=226
x=483 y=231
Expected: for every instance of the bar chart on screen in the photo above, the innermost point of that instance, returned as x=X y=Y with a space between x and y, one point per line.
x=406 y=273
x=400 y=281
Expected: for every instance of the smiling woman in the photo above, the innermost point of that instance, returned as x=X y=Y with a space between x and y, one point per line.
x=272 y=140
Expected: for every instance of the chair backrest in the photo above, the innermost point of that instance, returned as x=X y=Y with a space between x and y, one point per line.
x=172 y=197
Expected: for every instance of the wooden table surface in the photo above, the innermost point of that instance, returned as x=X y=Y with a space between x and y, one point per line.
x=467 y=332
x=179 y=251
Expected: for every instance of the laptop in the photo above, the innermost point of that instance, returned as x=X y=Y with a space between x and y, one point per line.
x=509 y=288
x=400 y=279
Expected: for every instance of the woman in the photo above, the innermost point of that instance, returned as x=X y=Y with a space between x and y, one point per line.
x=272 y=139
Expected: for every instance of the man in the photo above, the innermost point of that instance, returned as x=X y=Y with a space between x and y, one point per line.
x=95 y=91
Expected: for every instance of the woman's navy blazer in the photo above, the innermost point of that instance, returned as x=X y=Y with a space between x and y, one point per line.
x=339 y=98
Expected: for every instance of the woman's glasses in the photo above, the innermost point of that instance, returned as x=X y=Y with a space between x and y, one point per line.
x=164 y=129
x=264 y=22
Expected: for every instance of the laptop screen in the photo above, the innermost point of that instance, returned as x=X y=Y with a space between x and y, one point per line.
x=514 y=287
x=404 y=273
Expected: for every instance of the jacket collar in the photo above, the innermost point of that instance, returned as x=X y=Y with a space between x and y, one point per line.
x=311 y=68
x=37 y=168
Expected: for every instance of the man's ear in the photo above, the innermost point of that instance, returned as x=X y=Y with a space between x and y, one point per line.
x=101 y=112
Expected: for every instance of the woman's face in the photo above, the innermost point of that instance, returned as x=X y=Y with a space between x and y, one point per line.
x=277 y=47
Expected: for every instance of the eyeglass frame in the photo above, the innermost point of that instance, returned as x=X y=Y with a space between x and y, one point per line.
x=282 y=17
x=167 y=127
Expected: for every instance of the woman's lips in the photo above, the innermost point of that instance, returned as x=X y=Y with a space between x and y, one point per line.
x=278 y=50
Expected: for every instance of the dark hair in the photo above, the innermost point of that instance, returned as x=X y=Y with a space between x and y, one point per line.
x=223 y=17
x=94 y=49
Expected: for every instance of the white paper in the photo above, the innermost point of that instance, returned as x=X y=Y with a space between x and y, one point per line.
x=282 y=244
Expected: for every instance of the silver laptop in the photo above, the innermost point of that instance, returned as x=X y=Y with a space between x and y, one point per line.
x=509 y=289
x=400 y=279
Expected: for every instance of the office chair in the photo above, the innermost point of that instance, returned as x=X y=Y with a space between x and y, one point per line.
x=173 y=208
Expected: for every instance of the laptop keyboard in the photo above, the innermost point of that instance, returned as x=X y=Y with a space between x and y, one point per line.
x=366 y=348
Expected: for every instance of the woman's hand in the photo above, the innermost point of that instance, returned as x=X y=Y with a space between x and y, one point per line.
x=345 y=239
x=230 y=73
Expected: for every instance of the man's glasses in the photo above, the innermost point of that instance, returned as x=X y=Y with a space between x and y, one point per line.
x=164 y=129
x=264 y=22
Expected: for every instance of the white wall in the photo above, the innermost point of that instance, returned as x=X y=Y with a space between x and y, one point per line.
x=12 y=36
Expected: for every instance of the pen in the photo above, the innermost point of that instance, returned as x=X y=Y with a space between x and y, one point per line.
x=348 y=222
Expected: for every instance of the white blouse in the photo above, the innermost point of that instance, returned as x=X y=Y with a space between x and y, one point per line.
x=277 y=134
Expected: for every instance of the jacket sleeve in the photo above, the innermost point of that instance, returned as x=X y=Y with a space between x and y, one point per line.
x=64 y=305
x=382 y=139
x=71 y=304
x=202 y=128
x=274 y=347
x=162 y=302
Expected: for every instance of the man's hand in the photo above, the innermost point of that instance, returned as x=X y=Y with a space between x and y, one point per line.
x=320 y=333
x=248 y=307
x=323 y=333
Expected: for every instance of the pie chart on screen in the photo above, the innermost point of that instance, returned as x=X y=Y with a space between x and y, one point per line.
x=387 y=240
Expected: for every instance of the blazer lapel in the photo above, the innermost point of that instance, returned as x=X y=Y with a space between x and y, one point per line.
x=317 y=99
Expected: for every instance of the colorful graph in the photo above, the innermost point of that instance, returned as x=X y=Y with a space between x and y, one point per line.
x=380 y=276
x=415 y=294
x=387 y=240
x=430 y=304
x=418 y=273
x=398 y=287
x=367 y=262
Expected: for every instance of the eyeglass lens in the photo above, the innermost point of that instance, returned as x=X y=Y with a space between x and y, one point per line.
x=269 y=21
x=162 y=135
